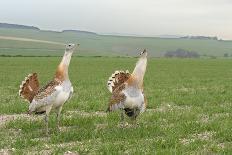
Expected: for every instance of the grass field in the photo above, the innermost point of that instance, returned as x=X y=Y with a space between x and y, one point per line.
x=189 y=108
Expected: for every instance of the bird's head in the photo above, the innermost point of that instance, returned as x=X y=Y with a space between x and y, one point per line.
x=70 y=47
x=143 y=54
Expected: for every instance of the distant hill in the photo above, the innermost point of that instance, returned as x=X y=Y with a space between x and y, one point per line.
x=16 y=26
x=28 y=40
x=201 y=37
x=79 y=31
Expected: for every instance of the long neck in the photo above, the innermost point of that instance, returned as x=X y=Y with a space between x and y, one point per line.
x=139 y=71
x=62 y=69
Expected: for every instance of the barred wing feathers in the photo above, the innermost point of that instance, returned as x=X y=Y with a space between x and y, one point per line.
x=29 y=87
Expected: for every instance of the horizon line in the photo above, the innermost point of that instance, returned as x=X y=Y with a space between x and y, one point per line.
x=164 y=36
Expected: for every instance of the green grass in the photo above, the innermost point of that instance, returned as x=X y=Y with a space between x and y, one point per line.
x=92 y=45
x=189 y=108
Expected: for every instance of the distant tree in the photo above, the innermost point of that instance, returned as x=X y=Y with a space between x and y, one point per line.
x=168 y=54
x=226 y=55
x=181 y=53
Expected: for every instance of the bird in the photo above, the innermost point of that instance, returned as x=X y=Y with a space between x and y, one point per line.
x=127 y=92
x=54 y=94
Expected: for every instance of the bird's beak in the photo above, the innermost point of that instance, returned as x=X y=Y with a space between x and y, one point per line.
x=77 y=45
x=143 y=53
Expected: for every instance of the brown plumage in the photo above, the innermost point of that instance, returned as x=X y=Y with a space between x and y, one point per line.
x=29 y=87
x=61 y=72
x=48 y=89
x=117 y=79
x=117 y=88
x=53 y=95
x=127 y=90
x=117 y=97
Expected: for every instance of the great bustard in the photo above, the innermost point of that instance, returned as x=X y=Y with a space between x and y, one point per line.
x=53 y=95
x=127 y=90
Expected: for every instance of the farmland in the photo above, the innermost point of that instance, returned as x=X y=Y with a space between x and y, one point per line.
x=189 y=108
x=189 y=100
x=93 y=44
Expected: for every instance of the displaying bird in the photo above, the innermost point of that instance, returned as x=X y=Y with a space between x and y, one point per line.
x=53 y=95
x=127 y=90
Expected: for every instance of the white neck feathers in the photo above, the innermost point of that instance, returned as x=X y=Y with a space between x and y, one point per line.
x=140 y=70
x=66 y=58
x=62 y=70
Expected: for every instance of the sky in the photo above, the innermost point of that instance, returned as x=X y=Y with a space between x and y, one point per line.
x=140 y=17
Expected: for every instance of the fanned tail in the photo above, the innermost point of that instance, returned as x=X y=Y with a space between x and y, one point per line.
x=116 y=79
x=29 y=87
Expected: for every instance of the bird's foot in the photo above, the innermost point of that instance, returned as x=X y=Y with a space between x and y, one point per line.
x=135 y=125
x=123 y=124
x=47 y=133
x=58 y=128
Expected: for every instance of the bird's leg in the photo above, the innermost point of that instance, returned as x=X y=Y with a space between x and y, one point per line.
x=58 y=118
x=134 y=122
x=47 y=118
x=46 y=123
x=134 y=117
x=122 y=118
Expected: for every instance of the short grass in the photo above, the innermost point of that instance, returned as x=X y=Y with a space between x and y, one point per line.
x=189 y=108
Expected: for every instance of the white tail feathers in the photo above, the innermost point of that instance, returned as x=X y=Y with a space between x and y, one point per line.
x=29 y=87
x=116 y=79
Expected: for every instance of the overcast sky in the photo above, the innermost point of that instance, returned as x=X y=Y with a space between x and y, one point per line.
x=142 y=17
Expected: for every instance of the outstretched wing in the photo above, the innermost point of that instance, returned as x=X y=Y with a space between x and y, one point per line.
x=117 y=99
x=29 y=87
x=117 y=79
x=47 y=90
x=45 y=96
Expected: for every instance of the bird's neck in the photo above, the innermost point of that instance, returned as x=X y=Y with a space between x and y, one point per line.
x=62 y=69
x=138 y=73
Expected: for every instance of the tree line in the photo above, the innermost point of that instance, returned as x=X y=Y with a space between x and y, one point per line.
x=181 y=53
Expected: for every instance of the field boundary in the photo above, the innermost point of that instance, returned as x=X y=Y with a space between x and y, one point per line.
x=29 y=40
